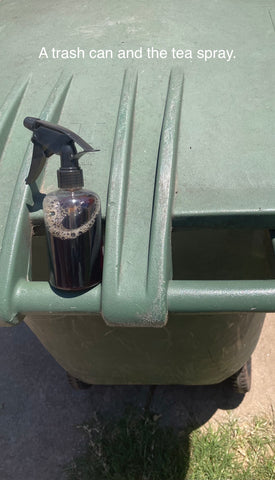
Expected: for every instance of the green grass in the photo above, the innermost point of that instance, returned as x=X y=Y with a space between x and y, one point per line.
x=234 y=452
x=138 y=447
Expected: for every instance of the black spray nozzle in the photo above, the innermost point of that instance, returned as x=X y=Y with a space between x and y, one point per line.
x=49 y=139
x=30 y=122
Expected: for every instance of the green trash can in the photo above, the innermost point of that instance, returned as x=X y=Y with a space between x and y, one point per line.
x=184 y=175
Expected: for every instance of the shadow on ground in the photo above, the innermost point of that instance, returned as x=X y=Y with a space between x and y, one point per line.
x=39 y=411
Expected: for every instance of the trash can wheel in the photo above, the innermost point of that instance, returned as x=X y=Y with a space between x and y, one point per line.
x=77 y=384
x=241 y=381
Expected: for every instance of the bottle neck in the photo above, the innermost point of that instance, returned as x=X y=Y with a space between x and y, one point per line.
x=70 y=178
x=69 y=174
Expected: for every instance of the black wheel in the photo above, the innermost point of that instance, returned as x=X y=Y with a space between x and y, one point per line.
x=241 y=380
x=77 y=384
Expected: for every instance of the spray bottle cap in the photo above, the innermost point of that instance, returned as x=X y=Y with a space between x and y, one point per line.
x=49 y=139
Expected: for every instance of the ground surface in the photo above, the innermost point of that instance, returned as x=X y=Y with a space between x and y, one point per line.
x=39 y=410
x=261 y=398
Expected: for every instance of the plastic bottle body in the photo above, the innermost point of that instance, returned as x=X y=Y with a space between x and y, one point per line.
x=73 y=227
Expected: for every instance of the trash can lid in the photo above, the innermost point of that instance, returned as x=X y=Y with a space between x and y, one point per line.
x=67 y=65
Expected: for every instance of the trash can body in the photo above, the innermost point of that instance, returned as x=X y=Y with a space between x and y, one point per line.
x=191 y=349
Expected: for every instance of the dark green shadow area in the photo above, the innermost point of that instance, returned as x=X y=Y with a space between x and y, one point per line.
x=150 y=441
x=133 y=447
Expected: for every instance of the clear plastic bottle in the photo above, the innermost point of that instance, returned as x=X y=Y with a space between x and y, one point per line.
x=72 y=215
x=73 y=225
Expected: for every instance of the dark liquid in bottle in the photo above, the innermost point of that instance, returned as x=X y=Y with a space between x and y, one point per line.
x=76 y=259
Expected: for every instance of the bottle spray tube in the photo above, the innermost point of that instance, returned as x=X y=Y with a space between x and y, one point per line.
x=72 y=214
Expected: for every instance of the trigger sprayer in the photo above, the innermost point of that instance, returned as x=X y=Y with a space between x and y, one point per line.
x=72 y=215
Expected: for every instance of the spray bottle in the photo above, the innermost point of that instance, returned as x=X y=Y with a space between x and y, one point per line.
x=72 y=215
